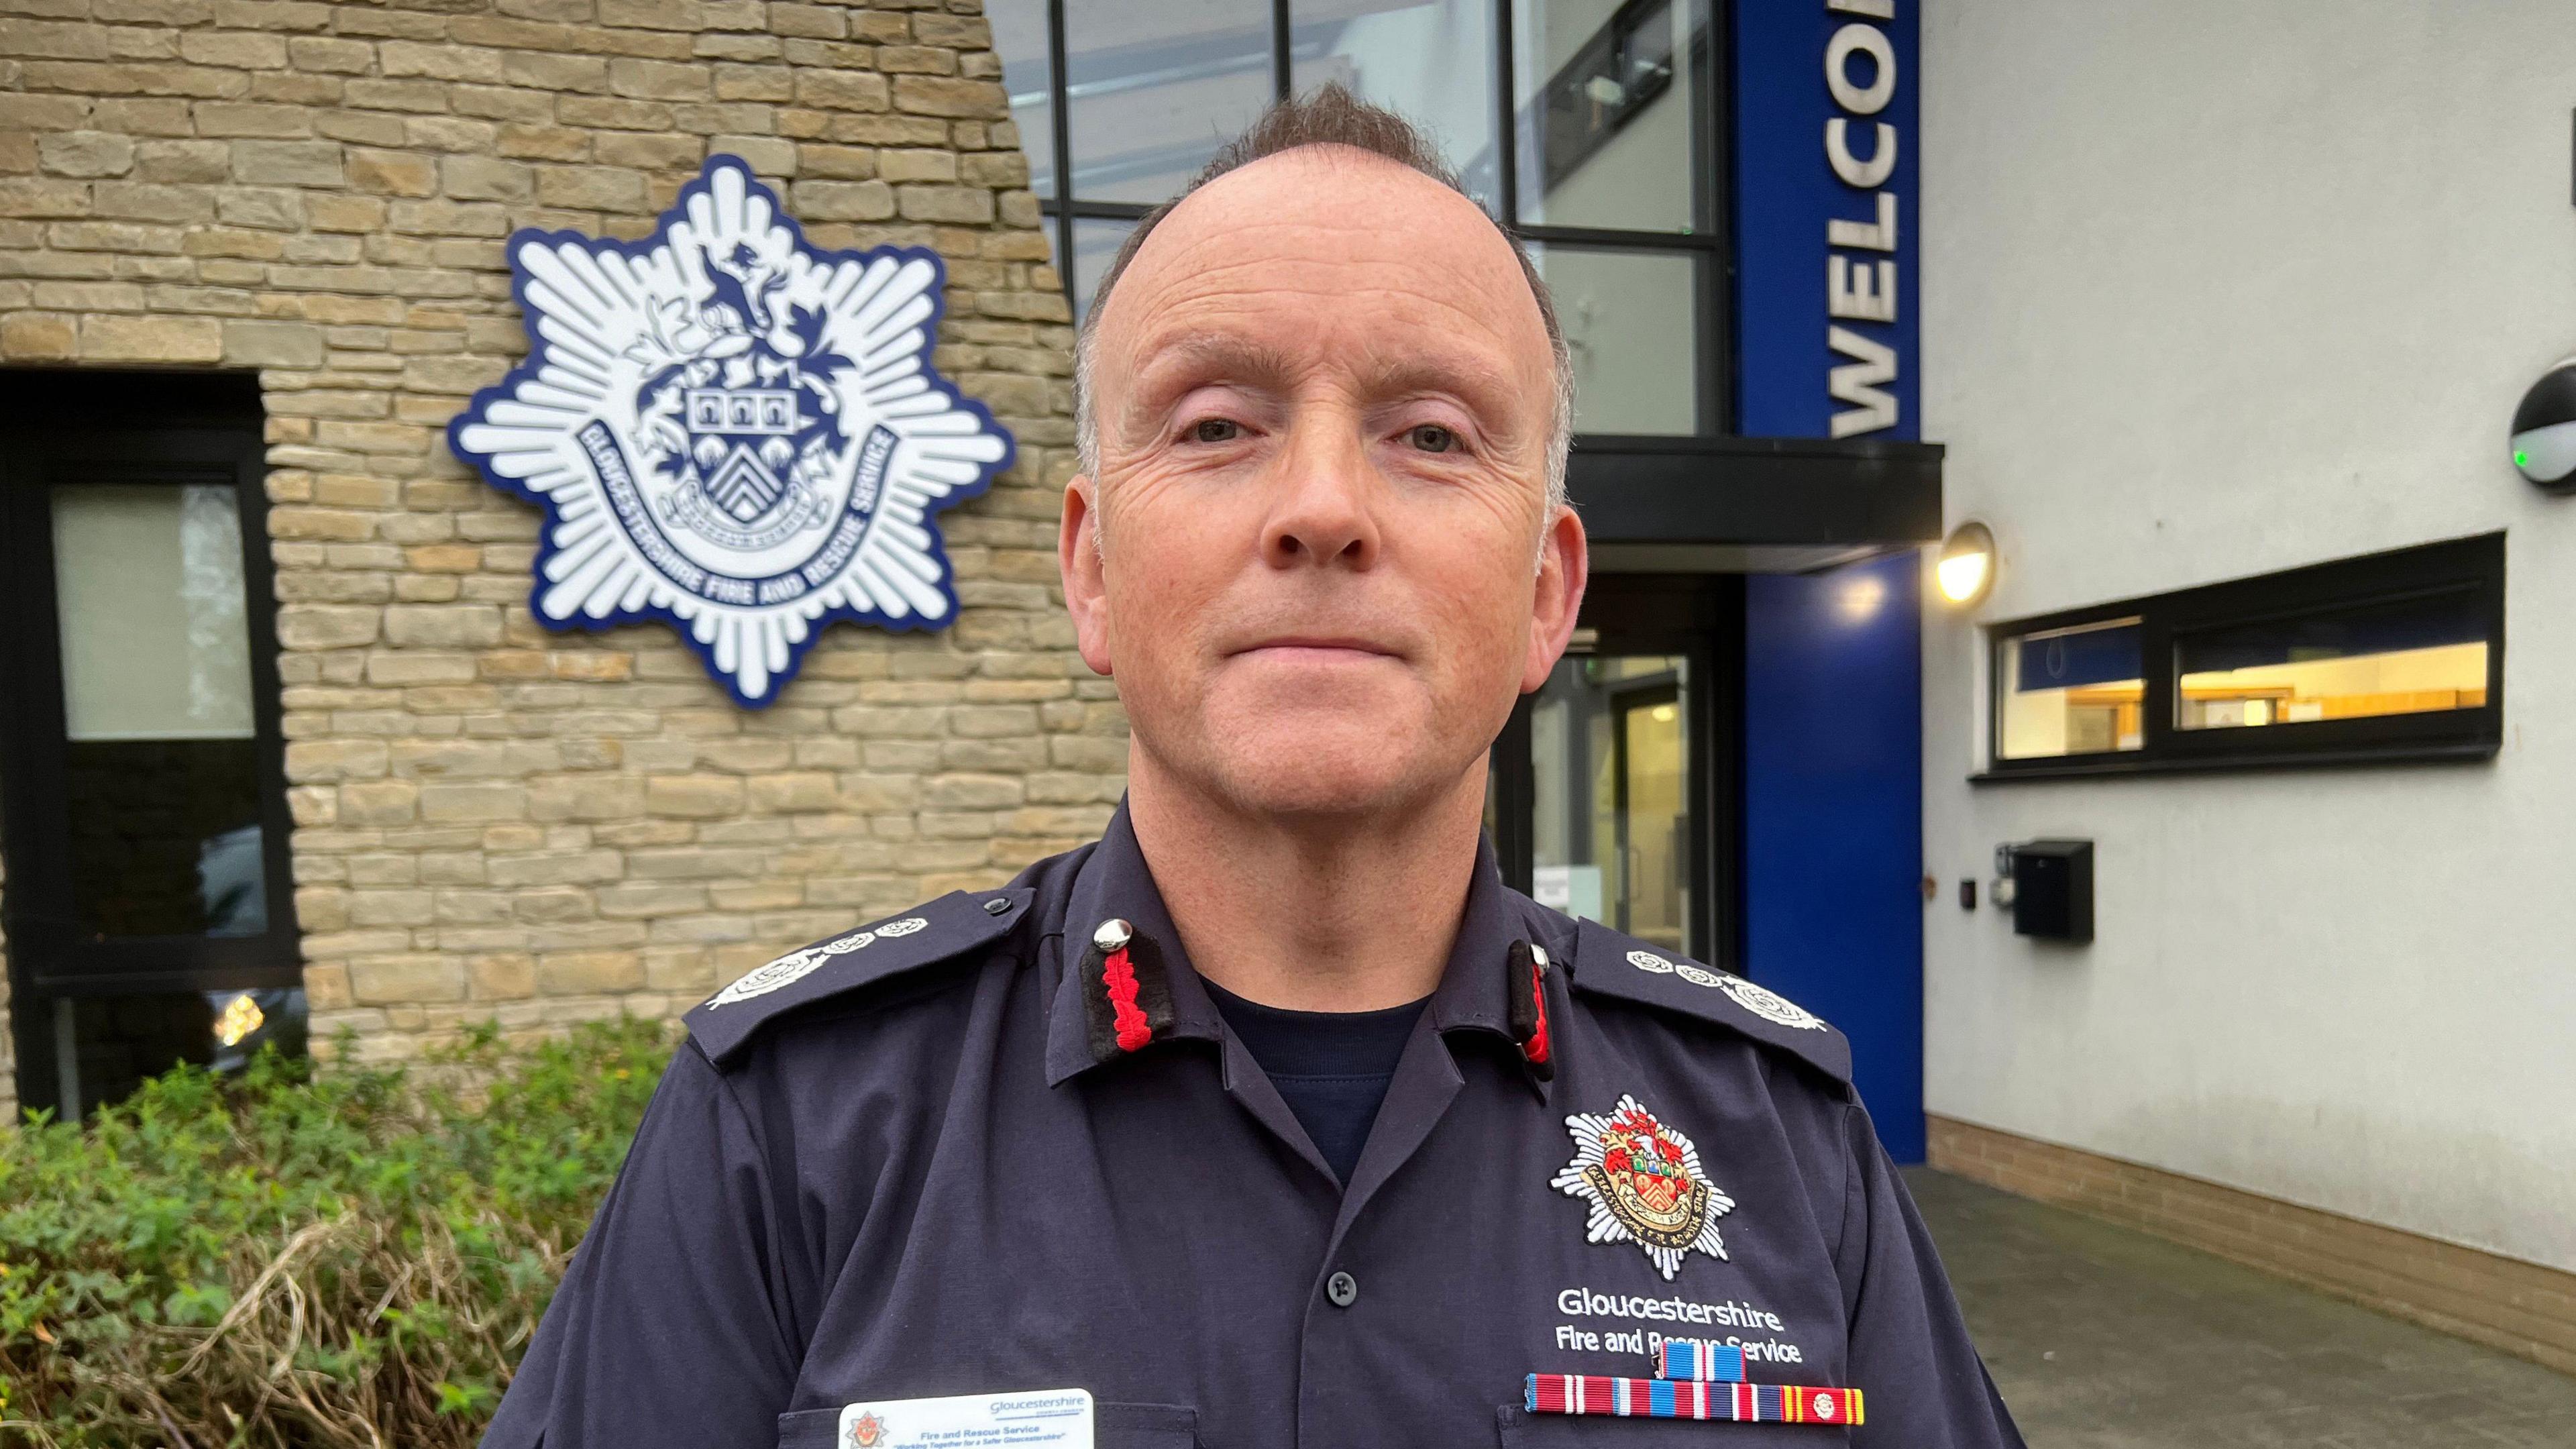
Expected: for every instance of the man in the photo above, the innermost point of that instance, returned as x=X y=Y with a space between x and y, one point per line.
x=1273 y=1117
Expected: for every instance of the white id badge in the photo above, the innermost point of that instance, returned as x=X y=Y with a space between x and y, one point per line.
x=1056 y=1418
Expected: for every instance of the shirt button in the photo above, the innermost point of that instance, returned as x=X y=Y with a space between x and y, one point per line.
x=1343 y=1289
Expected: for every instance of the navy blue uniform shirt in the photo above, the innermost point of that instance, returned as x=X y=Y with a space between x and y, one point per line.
x=1332 y=1068
x=972 y=1149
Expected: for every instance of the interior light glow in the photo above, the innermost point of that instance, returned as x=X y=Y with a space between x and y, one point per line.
x=1965 y=571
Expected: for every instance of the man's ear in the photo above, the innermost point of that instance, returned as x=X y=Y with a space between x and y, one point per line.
x=1564 y=566
x=1086 y=592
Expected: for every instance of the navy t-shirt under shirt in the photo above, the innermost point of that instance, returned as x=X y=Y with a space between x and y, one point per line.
x=1331 y=1067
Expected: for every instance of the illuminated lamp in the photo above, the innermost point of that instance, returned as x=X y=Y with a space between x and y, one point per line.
x=1966 y=570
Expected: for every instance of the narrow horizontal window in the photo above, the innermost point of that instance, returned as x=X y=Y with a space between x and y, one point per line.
x=2077 y=691
x=2410 y=656
x=2389 y=657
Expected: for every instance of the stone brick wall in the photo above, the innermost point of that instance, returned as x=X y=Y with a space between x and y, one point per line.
x=494 y=820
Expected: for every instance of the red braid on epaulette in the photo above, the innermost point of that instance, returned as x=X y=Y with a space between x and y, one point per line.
x=1126 y=997
x=1525 y=986
x=1119 y=978
x=1536 y=1047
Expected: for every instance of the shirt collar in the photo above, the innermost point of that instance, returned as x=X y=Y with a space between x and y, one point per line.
x=1114 y=882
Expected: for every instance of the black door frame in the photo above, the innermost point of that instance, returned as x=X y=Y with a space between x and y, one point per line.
x=1699 y=617
x=143 y=429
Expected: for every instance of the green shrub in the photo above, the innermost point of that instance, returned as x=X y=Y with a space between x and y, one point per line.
x=286 y=1259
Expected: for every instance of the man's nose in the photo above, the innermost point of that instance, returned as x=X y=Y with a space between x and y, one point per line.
x=1323 y=493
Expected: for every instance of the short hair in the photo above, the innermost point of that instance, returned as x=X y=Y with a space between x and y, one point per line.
x=1329 y=116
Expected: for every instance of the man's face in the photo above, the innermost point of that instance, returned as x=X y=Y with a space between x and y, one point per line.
x=1326 y=562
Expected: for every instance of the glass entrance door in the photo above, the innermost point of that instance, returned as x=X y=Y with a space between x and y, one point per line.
x=1610 y=835
x=1606 y=800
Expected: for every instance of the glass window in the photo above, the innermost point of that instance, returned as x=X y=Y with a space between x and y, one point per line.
x=1432 y=62
x=1611 y=816
x=2077 y=691
x=2391 y=656
x=162 y=768
x=2412 y=656
x=1609 y=98
x=1153 y=87
x=1095 y=246
x=1028 y=74
x=1631 y=325
x=1612 y=107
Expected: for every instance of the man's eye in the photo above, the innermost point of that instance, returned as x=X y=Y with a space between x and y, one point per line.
x=1431 y=438
x=1214 y=430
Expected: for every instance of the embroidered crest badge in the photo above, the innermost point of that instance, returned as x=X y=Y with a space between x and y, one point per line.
x=1763 y=1002
x=1769 y=1005
x=1645 y=1186
x=787 y=970
x=732 y=431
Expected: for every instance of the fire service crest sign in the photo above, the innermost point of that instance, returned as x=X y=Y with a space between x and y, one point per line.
x=732 y=431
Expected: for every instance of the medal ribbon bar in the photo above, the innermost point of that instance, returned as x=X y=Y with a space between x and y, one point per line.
x=1684 y=1399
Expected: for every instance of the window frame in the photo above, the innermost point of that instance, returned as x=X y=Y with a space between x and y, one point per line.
x=190 y=430
x=1710 y=242
x=2475 y=565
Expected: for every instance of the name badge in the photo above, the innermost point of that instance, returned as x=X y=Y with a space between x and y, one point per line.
x=1057 y=1418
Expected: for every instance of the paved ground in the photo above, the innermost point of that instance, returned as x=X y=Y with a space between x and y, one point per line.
x=2103 y=1338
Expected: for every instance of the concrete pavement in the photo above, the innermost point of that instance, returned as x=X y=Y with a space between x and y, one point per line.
x=2104 y=1338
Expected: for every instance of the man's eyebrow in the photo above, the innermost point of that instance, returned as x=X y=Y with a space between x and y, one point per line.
x=1477 y=381
x=1214 y=353
x=1219 y=354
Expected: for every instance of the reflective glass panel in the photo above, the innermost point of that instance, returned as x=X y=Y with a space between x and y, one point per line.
x=1028 y=74
x=1095 y=246
x=120 y=1041
x=161 y=771
x=2069 y=691
x=1610 y=817
x=2413 y=656
x=1604 y=95
x=1155 y=86
x=1630 y=324
x=1432 y=62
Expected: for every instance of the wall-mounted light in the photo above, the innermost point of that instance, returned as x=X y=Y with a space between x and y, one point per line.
x=2544 y=430
x=1966 y=570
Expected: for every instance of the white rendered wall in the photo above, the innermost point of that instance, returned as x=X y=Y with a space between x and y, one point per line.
x=2212 y=289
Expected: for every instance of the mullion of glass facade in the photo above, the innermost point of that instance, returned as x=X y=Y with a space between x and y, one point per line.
x=1588 y=123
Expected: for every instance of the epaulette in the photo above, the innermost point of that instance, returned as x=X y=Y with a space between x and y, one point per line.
x=946 y=929
x=1607 y=963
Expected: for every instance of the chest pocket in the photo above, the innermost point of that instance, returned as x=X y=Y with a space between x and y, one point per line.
x=1113 y=1426
x=1520 y=1429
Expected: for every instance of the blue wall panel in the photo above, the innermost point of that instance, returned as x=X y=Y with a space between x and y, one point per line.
x=1833 y=852
x=1787 y=196
x=1833 y=817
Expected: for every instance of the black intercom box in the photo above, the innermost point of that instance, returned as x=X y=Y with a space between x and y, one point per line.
x=2053 y=890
